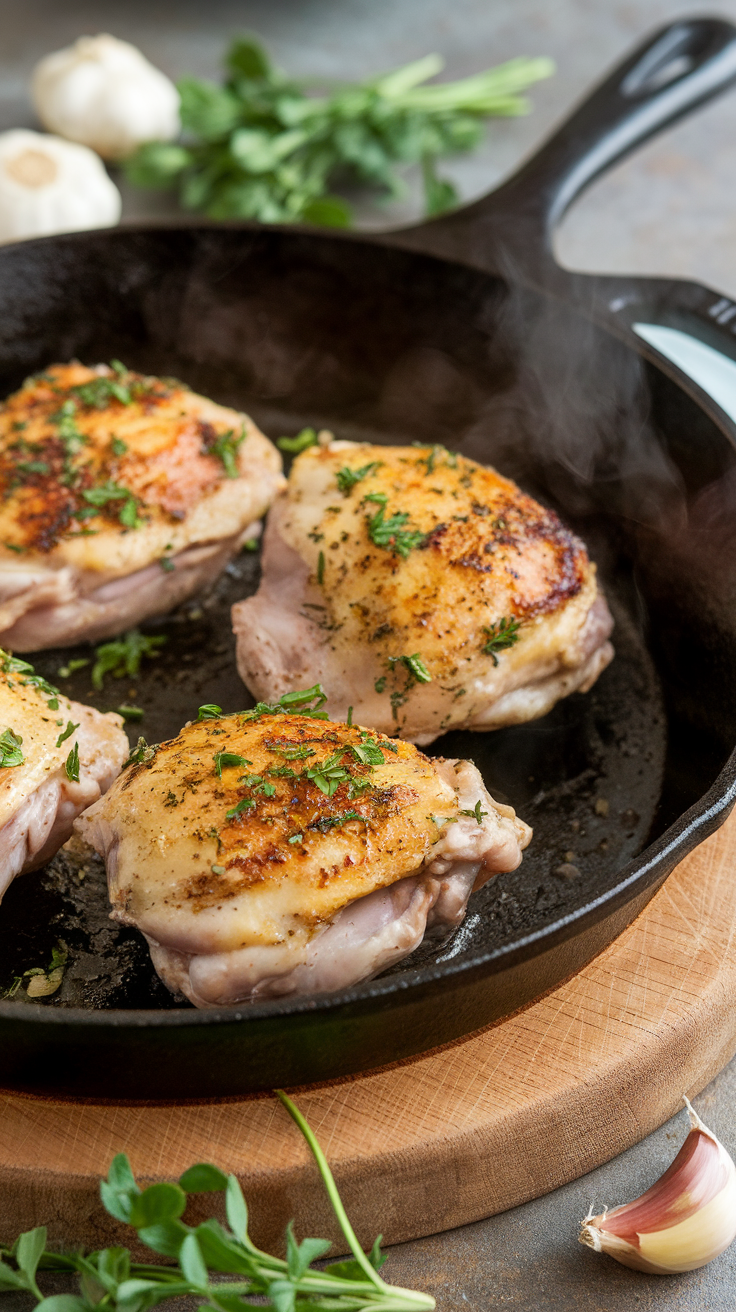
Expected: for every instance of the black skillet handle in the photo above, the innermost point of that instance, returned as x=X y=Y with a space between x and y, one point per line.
x=678 y=68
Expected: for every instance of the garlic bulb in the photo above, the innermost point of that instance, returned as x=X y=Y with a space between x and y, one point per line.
x=685 y=1220
x=104 y=93
x=48 y=185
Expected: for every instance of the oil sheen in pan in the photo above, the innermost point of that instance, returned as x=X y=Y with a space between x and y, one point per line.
x=588 y=777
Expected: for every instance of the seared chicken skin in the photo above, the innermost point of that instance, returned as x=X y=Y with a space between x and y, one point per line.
x=120 y=496
x=422 y=589
x=272 y=852
x=56 y=758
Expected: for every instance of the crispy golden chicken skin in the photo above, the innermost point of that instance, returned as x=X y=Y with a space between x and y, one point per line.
x=423 y=589
x=120 y=495
x=56 y=758
x=273 y=852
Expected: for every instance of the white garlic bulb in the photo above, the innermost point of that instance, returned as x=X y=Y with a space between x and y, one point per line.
x=104 y=93
x=48 y=185
x=685 y=1220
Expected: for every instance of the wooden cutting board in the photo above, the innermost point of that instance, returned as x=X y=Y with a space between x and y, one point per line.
x=439 y=1140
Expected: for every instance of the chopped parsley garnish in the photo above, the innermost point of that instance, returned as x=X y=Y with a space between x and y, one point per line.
x=124 y=655
x=10 y=749
x=346 y=478
x=167 y=564
x=329 y=774
x=380 y=684
x=106 y=492
x=131 y=712
x=299 y=753
x=67 y=733
x=293 y=703
x=392 y=533
x=226 y=448
x=209 y=712
x=415 y=665
x=140 y=753
x=245 y=804
x=13 y=665
x=504 y=633
x=69 y=435
x=76 y=663
x=330 y=821
x=321 y=568
x=441 y=820
x=476 y=813
x=72 y=764
x=295 y=838
x=302 y=441
x=258 y=784
x=33 y=467
x=224 y=760
x=99 y=392
x=368 y=752
x=118 y=447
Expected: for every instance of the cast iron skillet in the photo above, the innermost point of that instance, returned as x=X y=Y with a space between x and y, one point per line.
x=465 y=332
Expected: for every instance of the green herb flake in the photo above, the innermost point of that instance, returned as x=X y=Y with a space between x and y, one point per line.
x=209 y=712
x=392 y=534
x=307 y=701
x=72 y=764
x=141 y=754
x=10 y=749
x=346 y=478
x=226 y=447
x=476 y=813
x=101 y=496
x=118 y=447
x=218 y=870
x=225 y=760
x=76 y=663
x=245 y=804
x=67 y=733
x=380 y=684
x=295 y=838
x=294 y=445
x=501 y=635
x=321 y=568
x=131 y=712
x=123 y=657
x=250 y=544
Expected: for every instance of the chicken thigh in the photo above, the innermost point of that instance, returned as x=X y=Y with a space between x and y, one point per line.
x=275 y=852
x=422 y=589
x=56 y=758
x=120 y=496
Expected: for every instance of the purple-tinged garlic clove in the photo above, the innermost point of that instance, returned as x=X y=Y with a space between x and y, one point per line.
x=685 y=1220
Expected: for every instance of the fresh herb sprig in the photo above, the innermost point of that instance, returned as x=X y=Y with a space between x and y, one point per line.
x=307 y=701
x=123 y=656
x=226 y=448
x=110 y=1278
x=101 y=496
x=501 y=635
x=392 y=533
x=265 y=147
x=11 y=749
x=346 y=478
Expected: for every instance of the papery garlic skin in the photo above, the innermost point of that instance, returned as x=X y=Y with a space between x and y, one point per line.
x=103 y=93
x=48 y=185
x=685 y=1220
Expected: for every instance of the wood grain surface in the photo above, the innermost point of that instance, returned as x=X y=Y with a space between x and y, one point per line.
x=443 y=1139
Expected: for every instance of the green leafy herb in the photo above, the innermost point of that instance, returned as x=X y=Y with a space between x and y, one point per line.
x=72 y=764
x=227 y=759
x=293 y=703
x=194 y=1253
x=294 y=445
x=106 y=492
x=99 y=392
x=32 y=467
x=250 y=544
x=119 y=448
x=226 y=448
x=476 y=813
x=258 y=784
x=321 y=568
x=392 y=533
x=167 y=564
x=415 y=665
x=140 y=754
x=10 y=749
x=131 y=712
x=77 y=663
x=299 y=753
x=71 y=438
x=442 y=820
x=380 y=684
x=245 y=804
x=209 y=712
x=347 y=478
x=328 y=822
x=43 y=982
x=329 y=774
x=368 y=752
x=264 y=146
x=67 y=733
x=123 y=656
x=504 y=633
x=295 y=838
x=14 y=665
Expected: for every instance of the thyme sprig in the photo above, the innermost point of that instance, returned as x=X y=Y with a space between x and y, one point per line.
x=109 y=1278
x=392 y=533
x=501 y=635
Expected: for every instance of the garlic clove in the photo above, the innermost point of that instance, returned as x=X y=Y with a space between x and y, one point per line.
x=103 y=93
x=48 y=185
x=685 y=1220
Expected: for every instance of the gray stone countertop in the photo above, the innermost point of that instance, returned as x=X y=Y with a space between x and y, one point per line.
x=668 y=210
